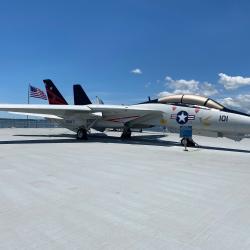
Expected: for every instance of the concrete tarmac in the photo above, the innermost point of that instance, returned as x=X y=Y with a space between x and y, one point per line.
x=146 y=193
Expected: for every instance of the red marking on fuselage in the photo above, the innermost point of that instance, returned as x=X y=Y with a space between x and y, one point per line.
x=122 y=118
x=197 y=110
x=174 y=108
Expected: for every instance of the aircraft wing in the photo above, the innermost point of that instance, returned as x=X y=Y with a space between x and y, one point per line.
x=116 y=113
x=56 y=110
x=123 y=114
x=38 y=115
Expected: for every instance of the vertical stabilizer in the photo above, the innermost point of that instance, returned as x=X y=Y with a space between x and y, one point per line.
x=54 y=96
x=80 y=97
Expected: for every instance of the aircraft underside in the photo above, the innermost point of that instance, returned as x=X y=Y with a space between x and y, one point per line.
x=82 y=128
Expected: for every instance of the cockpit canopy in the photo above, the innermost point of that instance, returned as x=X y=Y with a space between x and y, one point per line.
x=191 y=100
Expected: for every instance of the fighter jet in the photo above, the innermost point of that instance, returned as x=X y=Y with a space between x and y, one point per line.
x=206 y=116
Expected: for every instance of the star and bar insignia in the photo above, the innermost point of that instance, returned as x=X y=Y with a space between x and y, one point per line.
x=182 y=117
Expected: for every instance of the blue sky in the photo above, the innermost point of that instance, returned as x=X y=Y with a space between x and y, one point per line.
x=99 y=43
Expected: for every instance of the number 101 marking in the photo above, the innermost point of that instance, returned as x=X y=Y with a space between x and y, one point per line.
x=223 y=118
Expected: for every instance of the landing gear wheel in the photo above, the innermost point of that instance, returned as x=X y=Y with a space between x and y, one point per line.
x=183 y=141
x=190 y=142
x=81 y=134
x=126 y=134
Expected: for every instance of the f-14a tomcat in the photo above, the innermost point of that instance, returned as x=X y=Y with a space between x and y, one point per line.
x=206 y=116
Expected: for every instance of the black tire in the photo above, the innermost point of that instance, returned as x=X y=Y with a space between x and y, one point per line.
x=182 y=142
x=126 y=134
x=129 y=134
x=190 y=143
x=82 y=134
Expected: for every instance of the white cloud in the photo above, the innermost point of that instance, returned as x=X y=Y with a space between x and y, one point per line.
x=233 y=82
x=164 y=93
x=230 y=102
x=136 y=71
x=240 y=102
x=182 y=86
x=208 y=89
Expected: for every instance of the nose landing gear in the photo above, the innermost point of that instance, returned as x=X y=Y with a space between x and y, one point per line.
x=188 y=142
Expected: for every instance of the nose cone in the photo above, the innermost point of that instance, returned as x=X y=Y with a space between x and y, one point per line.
x=242 y=124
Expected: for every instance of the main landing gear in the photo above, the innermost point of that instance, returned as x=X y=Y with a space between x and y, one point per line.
x=188 y=142
x=126 y=134
x=82 y=134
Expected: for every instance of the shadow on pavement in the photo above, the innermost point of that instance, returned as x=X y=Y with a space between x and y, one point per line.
x=103 y=138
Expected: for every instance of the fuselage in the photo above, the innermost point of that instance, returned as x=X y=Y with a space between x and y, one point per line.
x=208 y=122
x=204 y=121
